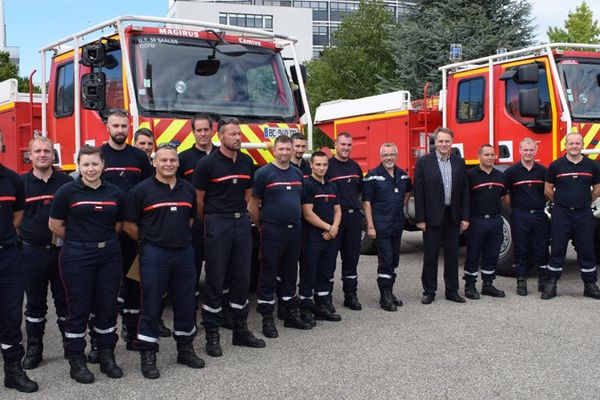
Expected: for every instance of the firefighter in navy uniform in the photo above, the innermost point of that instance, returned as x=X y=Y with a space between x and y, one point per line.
x=12 y=202
x=124 y=166
x=159 y=213
x=298 y=150
x=223 y=182
x=322 y=216
x=275 y=207
x=188 y=159
x=40 y=250
x=347 y=176
x=529 y=224
x=88 y=214
x=568 y=183
x=484 y=236
x=386 y=190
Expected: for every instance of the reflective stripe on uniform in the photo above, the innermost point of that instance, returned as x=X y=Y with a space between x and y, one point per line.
x=130 y=311
x=71 y=335
x=554 y=269
x=322 y=293
x=210 y=309
x=35 y=320
x=471 y=273
x=385 y=276
x=238 y=306
x=487 y=271
x=349 y=277
x=147 y=338
x=588 y=270
x=182 y=333
x=259 y=301
x=105 y=331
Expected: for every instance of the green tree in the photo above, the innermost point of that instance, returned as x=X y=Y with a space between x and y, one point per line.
x=422 y=42
x=580 y=27
x=359 y=56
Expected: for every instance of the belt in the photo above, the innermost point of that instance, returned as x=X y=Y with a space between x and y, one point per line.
x=40 y=246
x=487 y=216
x=93 y=245
x=350 y=210
x=529 y=211
x=234 y=215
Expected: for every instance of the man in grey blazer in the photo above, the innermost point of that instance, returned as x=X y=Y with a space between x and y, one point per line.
x=442 y=213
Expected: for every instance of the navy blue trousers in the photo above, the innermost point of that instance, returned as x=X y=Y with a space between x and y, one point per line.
x=130 y=288
x=91 y=278
x=316 y=275
x=530 y=235
x=280 y=250
x=577 y=225
x=483 y=238
x=162 y=269
x=11 y=303
x=348 y=244
x=388 y=256
x=40 y=268
x=229 y=243
x=198 y=243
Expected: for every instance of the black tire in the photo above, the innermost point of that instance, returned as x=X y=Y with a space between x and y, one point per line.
x=505 y=258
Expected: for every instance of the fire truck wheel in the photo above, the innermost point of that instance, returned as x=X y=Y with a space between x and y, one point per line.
x=505 y=259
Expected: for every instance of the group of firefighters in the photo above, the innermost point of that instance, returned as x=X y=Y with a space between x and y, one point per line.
x=122 y=235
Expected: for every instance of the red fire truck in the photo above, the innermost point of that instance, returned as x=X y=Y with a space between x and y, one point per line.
x=542 y=92
x=162 y=71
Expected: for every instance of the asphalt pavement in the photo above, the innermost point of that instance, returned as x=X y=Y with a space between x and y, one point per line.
x=512 y=348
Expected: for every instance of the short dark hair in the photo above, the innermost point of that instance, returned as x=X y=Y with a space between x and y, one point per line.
x=343 y=134
x=89 y=150
x=441 y=129
x=201 y=116
x=226 y=121
x=142 y=132
x=282 y=139
x=297 y=136
x=483 y=146
x=117 y=112
x=316 y=154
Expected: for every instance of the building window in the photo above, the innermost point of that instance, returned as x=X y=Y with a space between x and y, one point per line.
x=320 y=12
x=320 y=36
x=247 y=20
x=63 y=104
x=341 y=10
x=470 y=100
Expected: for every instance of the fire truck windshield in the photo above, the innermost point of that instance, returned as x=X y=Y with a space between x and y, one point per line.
x=581 y=82
x=250 y=84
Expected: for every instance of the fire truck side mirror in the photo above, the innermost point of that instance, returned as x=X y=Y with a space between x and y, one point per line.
x=529 y=102
x=299 y=103
x=93 y=91
x=295 y=75
x=527 y=73
x=93 y=55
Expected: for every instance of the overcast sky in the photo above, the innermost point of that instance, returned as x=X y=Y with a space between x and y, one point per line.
x=554 y=13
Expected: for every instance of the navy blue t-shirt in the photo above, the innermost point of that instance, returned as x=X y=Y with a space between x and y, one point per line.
x=486 y=191
x=224 y=181
x=90 y=214
x=573 y=182
x=526 y=187
x=281 y=192
x=125 y=168
x=304 y=166
x=348 y=178
x=323 y=197
x=162 y=214
x=188 y=159
x=12 y=199
x=39 y=196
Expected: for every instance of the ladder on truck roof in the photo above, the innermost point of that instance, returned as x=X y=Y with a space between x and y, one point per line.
x=119 y=24
x=515 y=55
